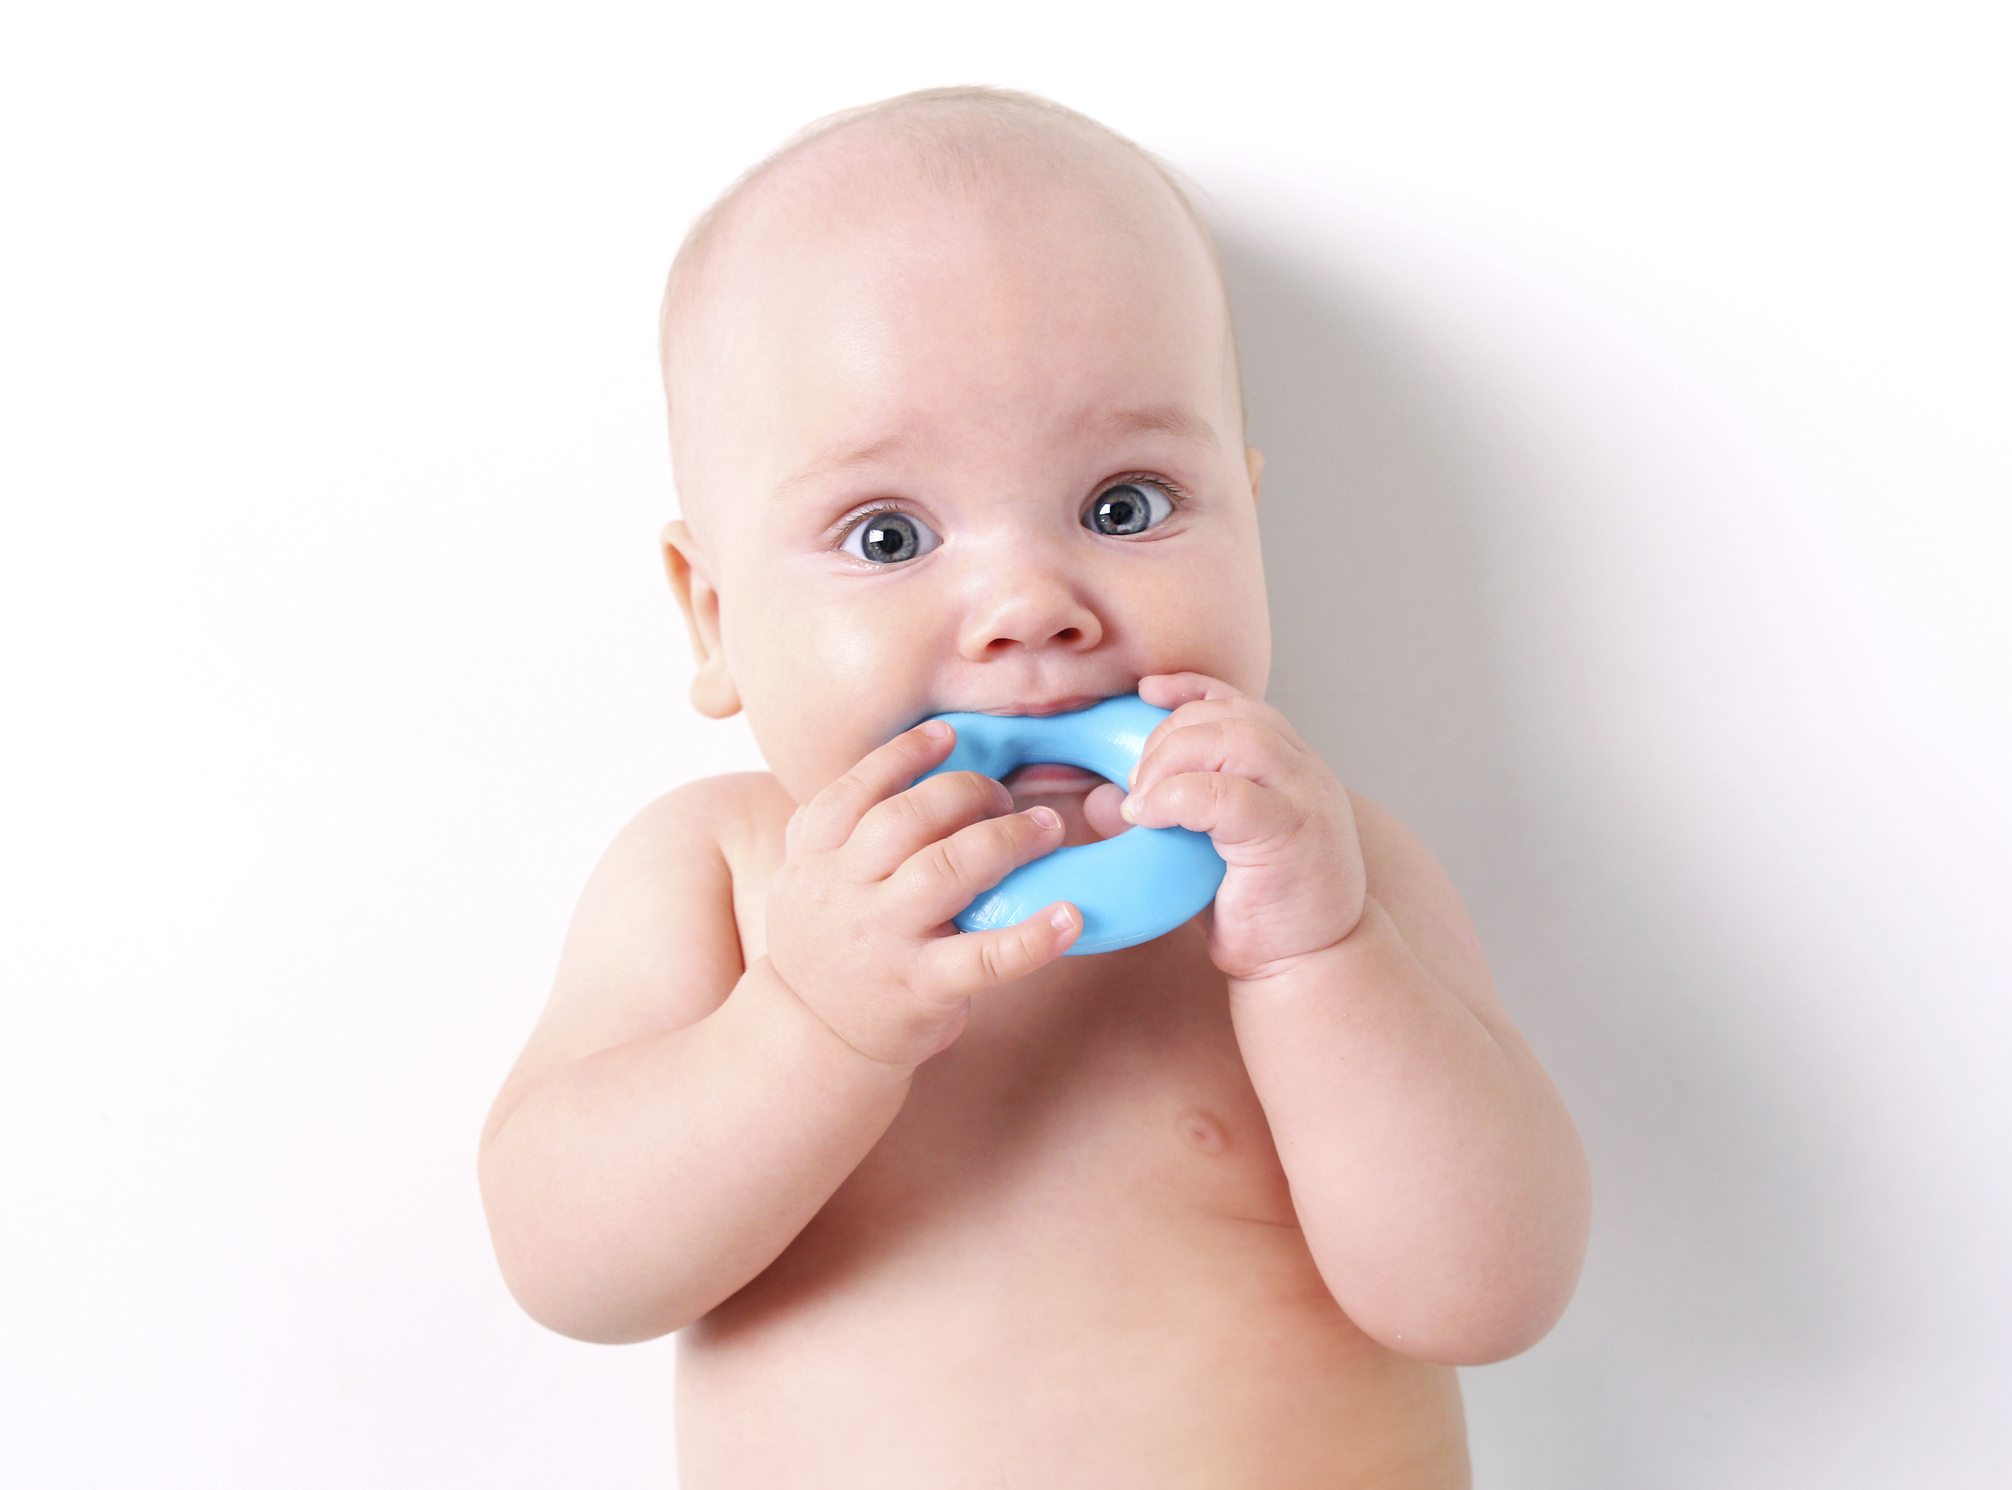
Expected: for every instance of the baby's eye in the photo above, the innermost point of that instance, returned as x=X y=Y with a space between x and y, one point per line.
x=1129 y=507
x=889 y=538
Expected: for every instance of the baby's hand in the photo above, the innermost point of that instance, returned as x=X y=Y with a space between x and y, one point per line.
x=859 y=914
x=1231 y=767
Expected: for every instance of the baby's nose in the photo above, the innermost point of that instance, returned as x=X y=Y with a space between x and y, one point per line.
x=1030 y=607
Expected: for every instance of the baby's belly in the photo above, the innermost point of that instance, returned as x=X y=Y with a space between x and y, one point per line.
x=1072 y=1261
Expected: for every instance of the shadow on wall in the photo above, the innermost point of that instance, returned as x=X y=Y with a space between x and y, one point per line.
x=1718 y=1281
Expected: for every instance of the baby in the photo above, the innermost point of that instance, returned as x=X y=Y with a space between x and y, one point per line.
x=956 y=424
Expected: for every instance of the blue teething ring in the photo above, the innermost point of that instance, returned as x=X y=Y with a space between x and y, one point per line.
x=1130 y=889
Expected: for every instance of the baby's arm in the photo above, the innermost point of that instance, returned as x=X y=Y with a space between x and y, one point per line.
x=1437 y=1176
x=676 y=1118
x=647 y=1096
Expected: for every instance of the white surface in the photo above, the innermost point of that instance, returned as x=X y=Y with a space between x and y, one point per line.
x=1634 y=380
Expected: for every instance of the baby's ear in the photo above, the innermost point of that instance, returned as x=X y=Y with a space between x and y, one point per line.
x=713 y=691
x=1254 y=463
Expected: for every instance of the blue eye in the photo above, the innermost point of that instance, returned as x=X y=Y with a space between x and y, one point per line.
x=1127 y=508
x=889 y=538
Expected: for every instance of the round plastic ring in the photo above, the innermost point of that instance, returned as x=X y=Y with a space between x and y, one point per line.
x=1131 y=888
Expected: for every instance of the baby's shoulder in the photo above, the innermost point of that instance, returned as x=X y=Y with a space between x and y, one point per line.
x=724 y=813
x=655 y=940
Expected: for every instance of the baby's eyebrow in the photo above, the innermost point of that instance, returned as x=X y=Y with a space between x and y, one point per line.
x=842 y=460
x=1154 y=419
x=1161 y=419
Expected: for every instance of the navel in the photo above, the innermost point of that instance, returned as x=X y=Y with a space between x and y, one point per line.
x=1203 y=1130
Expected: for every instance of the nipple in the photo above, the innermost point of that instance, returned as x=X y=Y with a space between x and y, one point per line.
x=1203 y=1130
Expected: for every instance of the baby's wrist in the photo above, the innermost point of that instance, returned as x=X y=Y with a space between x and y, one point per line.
x=776 y=993
x=1313 y=957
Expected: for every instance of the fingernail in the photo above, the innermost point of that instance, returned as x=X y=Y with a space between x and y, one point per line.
x=1132 y=778
x=937 y=730
x=1129 y=810
x=1046 y=817
x=1061 y=918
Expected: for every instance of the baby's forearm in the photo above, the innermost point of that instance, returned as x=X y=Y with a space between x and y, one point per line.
x=633 y=1190
x=1440 y=1183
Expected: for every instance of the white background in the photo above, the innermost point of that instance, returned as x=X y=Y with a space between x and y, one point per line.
x=1635 y=384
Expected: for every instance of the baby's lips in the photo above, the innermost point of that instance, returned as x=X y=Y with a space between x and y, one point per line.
x=1042 y=708
x=1037 y=706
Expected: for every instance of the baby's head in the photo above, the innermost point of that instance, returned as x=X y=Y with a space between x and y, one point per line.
x=956 y=425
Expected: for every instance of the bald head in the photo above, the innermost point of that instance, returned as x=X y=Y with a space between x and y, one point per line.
x=924 y=194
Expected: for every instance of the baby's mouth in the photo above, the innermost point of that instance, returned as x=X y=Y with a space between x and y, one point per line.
x=1043 y=710
x=1045 y=778
x=1088 y=814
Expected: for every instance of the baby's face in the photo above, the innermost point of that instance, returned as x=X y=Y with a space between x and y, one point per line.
x=980 y=452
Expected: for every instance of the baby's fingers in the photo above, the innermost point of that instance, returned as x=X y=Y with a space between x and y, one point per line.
x=943 y=877
x=1232 y=810
x=927 y=812
x=976 y=960
x=827 y=820
x=1241 y=744
x=1103 y=810
x=1171 y=690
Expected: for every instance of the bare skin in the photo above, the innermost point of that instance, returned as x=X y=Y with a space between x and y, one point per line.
x=946 y=1210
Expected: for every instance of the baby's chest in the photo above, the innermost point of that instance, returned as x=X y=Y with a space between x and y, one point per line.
x=1107 y=1085
x=1102 y=1086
